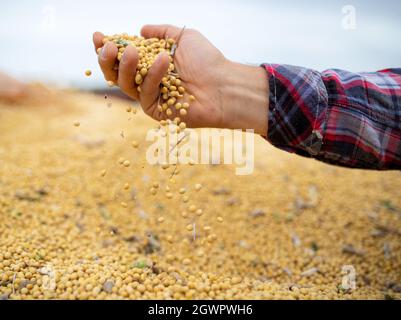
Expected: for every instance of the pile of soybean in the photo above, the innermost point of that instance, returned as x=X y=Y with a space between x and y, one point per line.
x=294 y=229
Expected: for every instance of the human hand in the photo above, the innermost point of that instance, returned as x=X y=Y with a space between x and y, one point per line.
x=228 y=95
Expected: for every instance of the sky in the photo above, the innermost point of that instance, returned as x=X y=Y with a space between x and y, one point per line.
x=51 y=40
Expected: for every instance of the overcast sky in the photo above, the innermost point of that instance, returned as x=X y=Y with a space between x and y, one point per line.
x=51 y=40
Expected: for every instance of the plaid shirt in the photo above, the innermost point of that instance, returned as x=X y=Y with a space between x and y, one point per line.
x=336 y=116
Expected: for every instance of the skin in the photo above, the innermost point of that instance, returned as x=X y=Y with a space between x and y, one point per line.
x=228 y=94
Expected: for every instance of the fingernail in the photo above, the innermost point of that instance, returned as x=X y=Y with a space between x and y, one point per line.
x=159 y=56
x=103 y=53
x=124 y=57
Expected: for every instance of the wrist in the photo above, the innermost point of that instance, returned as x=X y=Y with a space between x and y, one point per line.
x=245 y=97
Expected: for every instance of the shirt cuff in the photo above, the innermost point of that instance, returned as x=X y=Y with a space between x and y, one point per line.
x=297 y=109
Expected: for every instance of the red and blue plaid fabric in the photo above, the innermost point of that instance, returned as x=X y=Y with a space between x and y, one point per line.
x=340 y=117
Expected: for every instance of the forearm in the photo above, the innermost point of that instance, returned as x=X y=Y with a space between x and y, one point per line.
x=336 y=116
x=245 y=97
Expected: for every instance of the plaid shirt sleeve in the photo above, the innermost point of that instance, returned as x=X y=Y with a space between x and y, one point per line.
x=343 y=118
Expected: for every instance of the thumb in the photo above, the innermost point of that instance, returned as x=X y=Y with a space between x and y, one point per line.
x=150 y=89
x=161 y=31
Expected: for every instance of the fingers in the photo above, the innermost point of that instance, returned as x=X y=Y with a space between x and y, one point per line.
x=125 y=75
x=160 y=31
x=150 y=88
x=127 y=71
x=98 y=40
x=107 y=59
